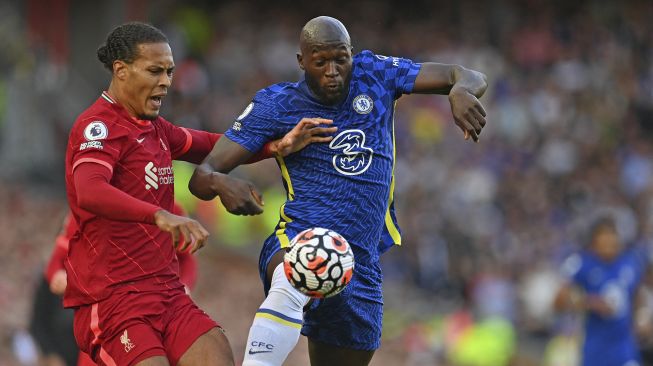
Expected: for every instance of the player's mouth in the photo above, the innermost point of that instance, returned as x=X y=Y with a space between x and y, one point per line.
x=333 y=88
x=155 y=101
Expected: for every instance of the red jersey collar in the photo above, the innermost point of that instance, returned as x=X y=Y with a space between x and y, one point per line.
x=107 y=97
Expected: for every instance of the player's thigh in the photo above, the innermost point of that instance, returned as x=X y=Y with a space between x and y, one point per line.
x=322 y=354
x=154 y=361
x=210 y=349
x=276 y=259
x=189 y=330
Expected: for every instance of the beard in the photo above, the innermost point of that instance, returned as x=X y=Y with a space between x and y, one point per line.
x=328 y=97
x=148 y=117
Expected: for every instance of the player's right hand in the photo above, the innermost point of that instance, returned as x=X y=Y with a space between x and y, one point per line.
x=238 y=196
x=59 y=282
x=193 y=232
x=468 y=113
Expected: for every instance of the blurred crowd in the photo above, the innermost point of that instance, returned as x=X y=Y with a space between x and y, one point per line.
x=485 y=226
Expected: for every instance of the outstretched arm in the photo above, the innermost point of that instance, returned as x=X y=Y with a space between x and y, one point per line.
x=239 y=197
x=464 y=87
x=211 y=179
x=435 y=78
x=570 y=298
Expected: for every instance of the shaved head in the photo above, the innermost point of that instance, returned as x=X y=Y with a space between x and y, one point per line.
x=323 y=30
x=325 y=56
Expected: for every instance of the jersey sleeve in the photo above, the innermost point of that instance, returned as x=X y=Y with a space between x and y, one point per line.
x=96 y=195
x=188 y=144
x=572 y=270
x=257 y=125
x=397 y=73
x=97 y=141
x=179 y=138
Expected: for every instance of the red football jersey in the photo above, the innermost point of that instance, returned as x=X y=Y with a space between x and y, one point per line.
x=107 y=255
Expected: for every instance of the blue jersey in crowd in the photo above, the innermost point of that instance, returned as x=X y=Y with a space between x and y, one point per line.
x=609 y=341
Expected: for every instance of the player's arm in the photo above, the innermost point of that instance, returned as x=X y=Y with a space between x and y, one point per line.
x=573 y=295
x=55 y=272
x=568 y=298
x=571 y=298
x=306 y=132
x=464 y=87
x=198 y=144
x=96 y=195
x=211 y=178
x=435 y=78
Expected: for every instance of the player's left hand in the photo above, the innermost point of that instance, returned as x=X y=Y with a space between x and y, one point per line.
x=306 y=132
x=468 y=112
x=238 y=196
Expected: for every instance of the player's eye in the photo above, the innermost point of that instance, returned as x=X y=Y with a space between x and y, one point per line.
x=170 y=72
x=319 y=63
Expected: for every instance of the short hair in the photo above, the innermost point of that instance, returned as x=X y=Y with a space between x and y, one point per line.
x=601 y=223
x=122 y=43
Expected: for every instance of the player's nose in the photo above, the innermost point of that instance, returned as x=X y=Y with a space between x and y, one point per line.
x=165 y=80
x=331 y=69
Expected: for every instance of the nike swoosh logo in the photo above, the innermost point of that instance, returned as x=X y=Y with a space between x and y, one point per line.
x=140 y=140
x=255 y=352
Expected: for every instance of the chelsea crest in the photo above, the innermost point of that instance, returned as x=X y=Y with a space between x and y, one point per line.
x=363 y=104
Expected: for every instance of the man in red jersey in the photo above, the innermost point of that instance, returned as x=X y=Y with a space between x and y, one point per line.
x=130 y=306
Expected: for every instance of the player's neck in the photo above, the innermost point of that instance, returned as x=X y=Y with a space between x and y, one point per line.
x=119 y=98
x=114 y=93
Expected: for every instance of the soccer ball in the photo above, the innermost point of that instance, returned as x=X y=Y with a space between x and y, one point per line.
x=319 y=262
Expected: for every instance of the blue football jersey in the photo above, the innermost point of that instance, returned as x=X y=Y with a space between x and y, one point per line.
x=345 y=185
x=609 y=341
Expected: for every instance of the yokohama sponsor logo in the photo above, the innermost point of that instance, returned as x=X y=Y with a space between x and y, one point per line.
x=155 y=176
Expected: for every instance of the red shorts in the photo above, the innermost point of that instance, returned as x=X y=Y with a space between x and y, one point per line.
x=129 y=327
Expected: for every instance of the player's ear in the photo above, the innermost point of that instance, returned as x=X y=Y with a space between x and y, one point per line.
x=120 y=69
x=299 y=60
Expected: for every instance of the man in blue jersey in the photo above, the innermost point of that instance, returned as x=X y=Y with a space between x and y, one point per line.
x=603 y=283
x=346 y=185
